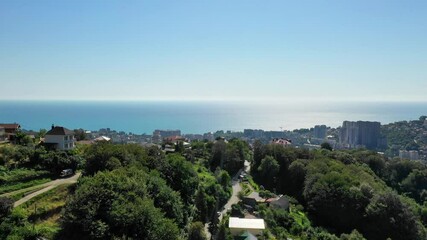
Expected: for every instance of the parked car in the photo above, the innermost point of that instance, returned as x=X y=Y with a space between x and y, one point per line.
x=66 y=172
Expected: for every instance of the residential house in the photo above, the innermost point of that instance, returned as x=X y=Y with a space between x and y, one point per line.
x=60 y=138
x=10 y=130
x=159 y=135
x=238 y=226
x=282 y=141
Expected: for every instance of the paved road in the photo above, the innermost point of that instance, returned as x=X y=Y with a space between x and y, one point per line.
x=234 y=199
x=46 y=187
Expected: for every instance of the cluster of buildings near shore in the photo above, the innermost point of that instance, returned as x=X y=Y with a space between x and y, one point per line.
x=351 y=135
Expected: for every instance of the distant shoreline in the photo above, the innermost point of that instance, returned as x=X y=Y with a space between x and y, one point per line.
x=197 y=117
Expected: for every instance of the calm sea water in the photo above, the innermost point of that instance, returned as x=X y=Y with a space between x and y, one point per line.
x=199 y=117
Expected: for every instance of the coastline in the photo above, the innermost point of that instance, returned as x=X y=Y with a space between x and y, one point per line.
x=201 y=116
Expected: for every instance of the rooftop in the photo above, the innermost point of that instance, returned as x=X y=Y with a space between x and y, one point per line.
x=9 y=125
x=102 y=138
x=59 y=131
x=246 y=223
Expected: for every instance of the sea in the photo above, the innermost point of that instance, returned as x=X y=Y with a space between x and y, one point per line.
x=201 y=116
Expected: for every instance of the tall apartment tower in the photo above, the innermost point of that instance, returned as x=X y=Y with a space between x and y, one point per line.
x=360 y=133
x=319 y=131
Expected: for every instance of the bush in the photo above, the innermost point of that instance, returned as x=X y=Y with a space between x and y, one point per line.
x=6 y=205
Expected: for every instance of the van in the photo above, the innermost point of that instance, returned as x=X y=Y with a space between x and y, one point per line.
x=66 y=172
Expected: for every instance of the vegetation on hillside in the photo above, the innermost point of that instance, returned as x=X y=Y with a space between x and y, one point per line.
x=358 y=187
x=132 y=192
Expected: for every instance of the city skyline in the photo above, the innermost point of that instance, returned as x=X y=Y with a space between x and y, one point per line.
x=220 y=50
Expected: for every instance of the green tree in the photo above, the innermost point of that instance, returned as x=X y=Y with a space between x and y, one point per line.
x=326 y=146
x=332 y=191
x=16 y=219
x=97 y=156
x=224 y=179
x=166 y=198
x=197 y=231
x=294 y=185
x=118 y=204
x=259 y=154
x=201 y=204
x=113 y=163
x=415 y=184
x=377 y=164
x=218 y=154
x=224 y=232
x=56 y=161
x=268 y=170
x=179 y=147
x=6 y=205
x=42 y=132
x=389 y=217
x=80 y=134
x=181 y=176
x=23 y=139
x=354 y=235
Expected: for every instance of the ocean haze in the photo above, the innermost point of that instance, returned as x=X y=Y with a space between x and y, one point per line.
x=201 y=116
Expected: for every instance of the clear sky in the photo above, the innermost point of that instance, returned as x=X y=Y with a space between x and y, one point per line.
x=219 y=49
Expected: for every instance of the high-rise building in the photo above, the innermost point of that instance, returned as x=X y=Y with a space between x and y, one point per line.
x=360 y=134
x=319 y=131
x=411 y=155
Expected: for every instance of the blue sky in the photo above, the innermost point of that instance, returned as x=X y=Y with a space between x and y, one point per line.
x=211 y=50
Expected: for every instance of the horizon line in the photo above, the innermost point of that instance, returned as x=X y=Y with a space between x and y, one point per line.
x=249 y=100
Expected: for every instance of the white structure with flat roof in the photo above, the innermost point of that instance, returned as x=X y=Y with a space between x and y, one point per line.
x=239 y=225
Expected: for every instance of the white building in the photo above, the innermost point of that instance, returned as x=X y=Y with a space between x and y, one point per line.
x=60 y=138
x=240 y=225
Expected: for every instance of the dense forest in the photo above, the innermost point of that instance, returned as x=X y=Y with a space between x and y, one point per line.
x=348 y=190
x=133 y=192
x=128 y=191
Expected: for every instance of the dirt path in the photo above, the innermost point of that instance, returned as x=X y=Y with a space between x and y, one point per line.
x=46 y=187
